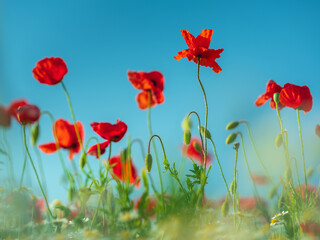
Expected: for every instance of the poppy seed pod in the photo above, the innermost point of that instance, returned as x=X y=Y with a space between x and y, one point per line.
x=310 y=172
x=225 y=208
x=278 y=141
x=233 y=187
x=148 y=162
x=276 y=97
x=34 y=134
x=187 y=137
x=232 y=125
x=231 y=138
x=203 y=130
x=197 y=146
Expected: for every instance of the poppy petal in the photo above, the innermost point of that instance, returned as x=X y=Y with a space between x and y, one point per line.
x=93 y=150
x=189 y=38
x=48 y=147
x=204 y=38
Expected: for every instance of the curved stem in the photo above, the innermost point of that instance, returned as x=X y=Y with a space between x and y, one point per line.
x=206 y=116
x=35 y=171
x=43 y=177
x=224 y=179
x=302 y=151
x=199 y=126
x=256 y=151
x=153 y=145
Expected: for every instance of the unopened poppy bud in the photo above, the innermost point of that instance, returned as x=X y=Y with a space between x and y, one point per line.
x=71 y=194
x=232 y=125
x=186 y=124
x=225 y=208
x=197 y=146
x=28 y=114
x=34 y=133
x=83 y=160
x=276 y=97
x=278 y=140
x=272 y=192
x=148 y=162
x=236 y=145
x=203 y=130
x=145 y=179
x=231 y=138
x=187 y=137
x=233 y=187
x=310 y=172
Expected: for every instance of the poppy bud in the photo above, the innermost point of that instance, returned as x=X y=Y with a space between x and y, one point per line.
x=233 y=187
x=145 y=179
x=34 y=133
x=71 y=194
x=231 y=138
x=186 y=124
x=236 y=145
x=28 y=114
x=272 y=192
x=187 y=137
x=225 y=208
x=232 y=125
x=276 y=98
x=278 y=140
x=197 y=147
x=310 y=172
x=208 y=134
x=83 y=160
x=148 y=162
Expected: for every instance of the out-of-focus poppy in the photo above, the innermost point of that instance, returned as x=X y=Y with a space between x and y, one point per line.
x=260 y=179
x=125 y=172
x=50 y=71
x=66 y=137
x=28 y=114
x=296 y=97
x=5 y=118
x=199 y=48
x=311 y=190
x=149 y=208
x=150 y=83
x=15 y=105
x=93 y=150
x=317 y=130
x=272 y=88
x=311 y=228
x=108 y=131
x=192 y=152
x=251 y=203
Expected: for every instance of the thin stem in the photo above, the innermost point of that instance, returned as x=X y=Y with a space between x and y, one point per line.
x=302 y=151
x=96 y=212
x=23 y=168
x=282 y=135
x=224 y=179
x=235 y=184
x=199 y=126
x=296 y=165
x=35 y=171
x=73 y=116
x=8 y=154
x=43 y=177
x=153 y=145
x=256 y=151
x=206 y=116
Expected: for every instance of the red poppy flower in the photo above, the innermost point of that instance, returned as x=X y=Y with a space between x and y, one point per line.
x=28 y=114
x=14 y=106
x=260 y=179
x=311 y=190
x=318 y=130
x=272 y=88
x=93 y=150
x=66 y=137
x=199 y=48
x=250 y=203
x=50 y=71
x=5 y=118
x=108 y=131
x=122 y=171
x=150 y=208
x=152 y=82
x=311 y=228
x=296 y=97
x=191 y=152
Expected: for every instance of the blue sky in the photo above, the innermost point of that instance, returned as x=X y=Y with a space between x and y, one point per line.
x=101 y=40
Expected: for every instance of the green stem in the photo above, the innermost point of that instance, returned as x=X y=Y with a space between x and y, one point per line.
x=206 y=116
x=302 y=151
x=235 y=183
x=296 y=165
x=7 y=146
x=96 y=212
x=73 y=116
x=154 y=146
x=282 y=134
x=34 y=168
x=199 y=126
x=43 y=177
x=23 y=168
x=216 y=155
x=256 y=151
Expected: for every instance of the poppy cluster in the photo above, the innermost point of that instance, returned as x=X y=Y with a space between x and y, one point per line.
x=290 y=95
x=152 y=86
x=199 y=50
x=66 y=137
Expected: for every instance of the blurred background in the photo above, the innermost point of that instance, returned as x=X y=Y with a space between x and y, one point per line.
x=101 y=40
